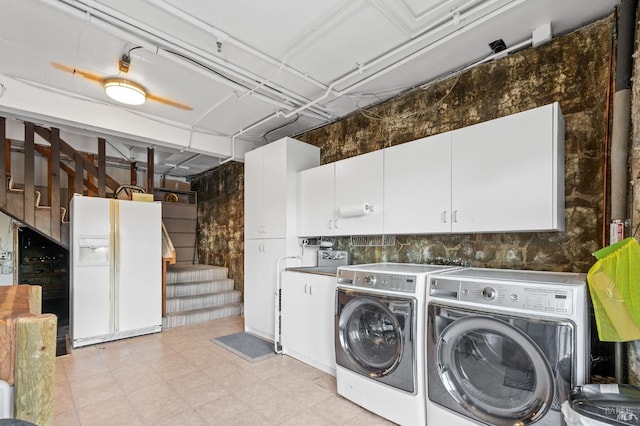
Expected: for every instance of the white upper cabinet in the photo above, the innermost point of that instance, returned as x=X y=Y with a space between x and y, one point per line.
x=342 y=198
x=359 y=194
x=417 y=186
x=270 y=187
x=503 y=175
x=508 y=174
x=316 y=201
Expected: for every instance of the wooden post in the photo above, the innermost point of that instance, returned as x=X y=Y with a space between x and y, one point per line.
x=150 y=171
x=29 y=175
x=35 y=368
x=3 y=162
x=54 y=188
x=78 y=186
x=134 y=173
x=90 y=176
x=102 y=168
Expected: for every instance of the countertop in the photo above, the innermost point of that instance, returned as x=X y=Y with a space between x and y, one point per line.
x=331 y=271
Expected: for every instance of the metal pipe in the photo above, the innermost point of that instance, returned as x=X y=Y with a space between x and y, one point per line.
x=223 y=36
x=408 y=58
x=620 y=133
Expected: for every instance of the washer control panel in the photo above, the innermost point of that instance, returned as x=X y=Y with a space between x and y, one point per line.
x=378 y=281
x=522 y=296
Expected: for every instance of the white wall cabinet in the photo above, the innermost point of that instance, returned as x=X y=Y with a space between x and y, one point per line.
x=270 y=223
x=316 y=201
x=508 y=174
x=271 y=186
x=260 y=187
x=417 y=186
x=503 y=175
x=326 y=191
x=308 y=306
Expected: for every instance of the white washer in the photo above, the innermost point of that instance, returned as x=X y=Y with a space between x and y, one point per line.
x=380 y=338
x=504 y=347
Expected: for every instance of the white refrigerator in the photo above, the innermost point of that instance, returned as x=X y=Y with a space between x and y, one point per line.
x=116 y=269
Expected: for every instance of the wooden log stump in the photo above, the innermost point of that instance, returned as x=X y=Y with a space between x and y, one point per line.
x=35 y=368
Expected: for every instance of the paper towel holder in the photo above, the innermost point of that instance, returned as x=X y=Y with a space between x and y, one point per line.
x=356 y=210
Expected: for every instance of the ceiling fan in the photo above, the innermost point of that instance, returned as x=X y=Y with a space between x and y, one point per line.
x=121 y=89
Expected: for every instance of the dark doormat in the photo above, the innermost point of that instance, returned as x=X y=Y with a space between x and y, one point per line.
x=246 y=346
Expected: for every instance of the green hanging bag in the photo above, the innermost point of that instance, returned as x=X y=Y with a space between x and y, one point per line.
x=614 y=285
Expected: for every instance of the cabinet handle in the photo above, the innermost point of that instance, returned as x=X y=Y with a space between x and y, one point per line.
x=335 y=223
x=330 y=223
x=443 y=216
x=310 y=290
x=454 y=216
x=305 y=288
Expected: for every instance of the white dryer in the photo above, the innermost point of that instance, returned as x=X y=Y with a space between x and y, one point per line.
x=380 y=338
x=504 y=347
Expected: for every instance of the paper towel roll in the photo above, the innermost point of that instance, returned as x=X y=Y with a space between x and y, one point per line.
x=355 y=210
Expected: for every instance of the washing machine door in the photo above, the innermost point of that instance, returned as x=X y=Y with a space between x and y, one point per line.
x=375 y=338
x=491 y=369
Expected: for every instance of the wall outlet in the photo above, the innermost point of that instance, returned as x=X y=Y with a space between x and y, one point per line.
x=7 y=269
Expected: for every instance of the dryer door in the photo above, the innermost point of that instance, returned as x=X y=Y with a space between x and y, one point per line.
x=375 y=337
x=491 y=369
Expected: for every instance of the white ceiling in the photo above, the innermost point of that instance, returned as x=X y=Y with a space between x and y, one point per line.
x=253 y=71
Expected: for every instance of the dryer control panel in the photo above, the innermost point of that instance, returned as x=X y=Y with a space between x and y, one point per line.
x=378 y=281
x=513 y=295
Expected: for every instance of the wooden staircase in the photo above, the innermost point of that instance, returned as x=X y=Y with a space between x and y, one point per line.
x=45 y=209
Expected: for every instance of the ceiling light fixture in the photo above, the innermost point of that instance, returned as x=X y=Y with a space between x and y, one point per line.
x=124 y=91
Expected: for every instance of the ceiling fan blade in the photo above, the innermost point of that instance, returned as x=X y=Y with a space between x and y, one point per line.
x=168 y=101
x=84 y=74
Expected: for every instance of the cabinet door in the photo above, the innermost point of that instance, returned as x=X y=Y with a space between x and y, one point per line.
x=503 y=174
x=316 y=201
x=261 y=257
x=321 y=318
x=253 y=194
x=274 y=190
x=359 y=180
x=417 y=186
x=295 y=314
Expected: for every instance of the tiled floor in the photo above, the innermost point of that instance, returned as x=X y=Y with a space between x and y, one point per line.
x=179 y=377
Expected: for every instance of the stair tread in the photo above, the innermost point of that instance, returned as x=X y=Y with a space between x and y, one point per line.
x=203 y=295
x=188 y=273
x=201 y=315
x=179 y=283
x=178 y=268
x=212 y=308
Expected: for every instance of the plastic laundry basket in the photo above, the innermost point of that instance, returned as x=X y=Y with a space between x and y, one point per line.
x=601 y=405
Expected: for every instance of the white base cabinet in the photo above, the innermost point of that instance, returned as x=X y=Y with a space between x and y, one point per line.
x=308 y=306
x=261 y=257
